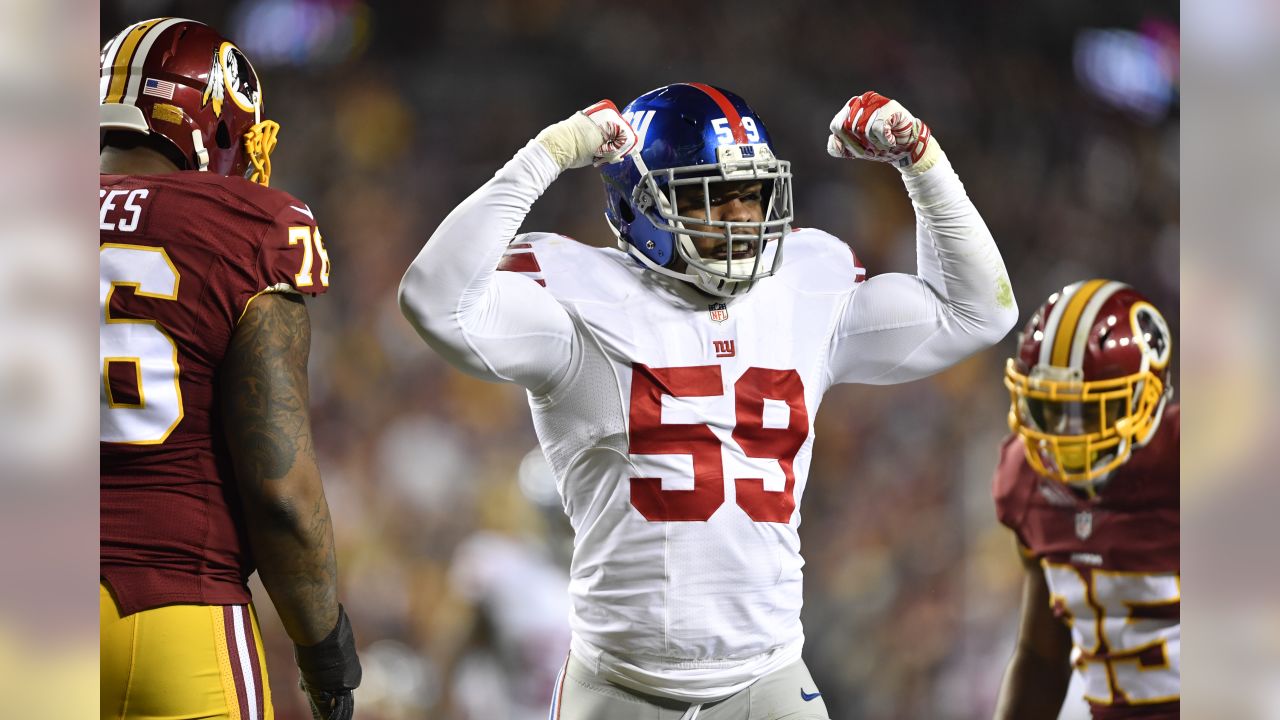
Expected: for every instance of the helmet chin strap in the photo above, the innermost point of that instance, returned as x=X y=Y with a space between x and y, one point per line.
x=705 y=282
x=202 y=155
x=718 y=284
x=720 y=287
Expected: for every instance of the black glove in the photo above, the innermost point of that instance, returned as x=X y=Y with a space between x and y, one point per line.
x=330 y=671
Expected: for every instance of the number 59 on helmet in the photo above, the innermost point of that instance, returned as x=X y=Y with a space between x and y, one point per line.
x=694 y=136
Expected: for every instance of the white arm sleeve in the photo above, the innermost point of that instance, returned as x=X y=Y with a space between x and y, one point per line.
x=494 y=325
x=898 y=327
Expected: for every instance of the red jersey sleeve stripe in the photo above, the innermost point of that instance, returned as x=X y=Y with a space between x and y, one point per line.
x=726 y=107
x=519 y=262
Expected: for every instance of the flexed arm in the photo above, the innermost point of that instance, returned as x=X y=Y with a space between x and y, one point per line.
x=502 y=326
x=899 y=327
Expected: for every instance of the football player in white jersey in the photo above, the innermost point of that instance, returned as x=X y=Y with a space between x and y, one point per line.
x=673 y=381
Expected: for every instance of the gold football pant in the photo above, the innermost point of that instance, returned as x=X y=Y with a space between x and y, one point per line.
x=182 y=662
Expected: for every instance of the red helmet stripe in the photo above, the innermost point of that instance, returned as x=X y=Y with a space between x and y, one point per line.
x=726 y=107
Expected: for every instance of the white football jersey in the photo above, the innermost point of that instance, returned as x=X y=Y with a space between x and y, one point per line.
x=681 y=442
x=680 y=426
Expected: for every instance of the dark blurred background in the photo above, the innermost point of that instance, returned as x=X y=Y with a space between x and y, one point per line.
x=1062 y=118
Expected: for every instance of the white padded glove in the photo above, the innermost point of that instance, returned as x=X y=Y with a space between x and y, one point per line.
x=594 y=136
x=873 y=127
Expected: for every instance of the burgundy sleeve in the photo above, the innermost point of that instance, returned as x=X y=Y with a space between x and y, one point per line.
x=292 y=254
x=1008 y=493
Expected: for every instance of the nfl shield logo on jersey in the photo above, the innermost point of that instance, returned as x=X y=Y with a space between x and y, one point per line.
x=1084 y=524
x=719 y=312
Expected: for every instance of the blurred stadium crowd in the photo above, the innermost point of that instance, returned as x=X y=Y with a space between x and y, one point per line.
x=391 y=113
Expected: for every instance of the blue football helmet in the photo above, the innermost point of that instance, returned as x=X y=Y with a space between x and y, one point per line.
x=693 y=134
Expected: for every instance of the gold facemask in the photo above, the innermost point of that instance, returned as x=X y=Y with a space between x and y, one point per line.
x=258 y=144
x=1079 y=431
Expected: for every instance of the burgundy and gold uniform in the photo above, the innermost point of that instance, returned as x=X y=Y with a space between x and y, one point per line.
x=190 y=236
x=1089 y=484
x=1111 y=564
x=182 y=256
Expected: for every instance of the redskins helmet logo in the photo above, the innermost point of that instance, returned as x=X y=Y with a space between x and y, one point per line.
x=231 y=74
x=1090 y=382
x=1151 y=333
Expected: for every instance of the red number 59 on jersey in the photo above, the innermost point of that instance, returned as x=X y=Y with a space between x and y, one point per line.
x=650 y=436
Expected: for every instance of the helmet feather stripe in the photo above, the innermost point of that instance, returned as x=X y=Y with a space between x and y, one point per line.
x=140 y=58
x=109 y=64
x=124 y=60
x=1070 y=321
x=1059 y=301
x=1087 y=318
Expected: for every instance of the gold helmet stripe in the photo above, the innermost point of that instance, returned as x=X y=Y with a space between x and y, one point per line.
x=1060 y=300
x=126 y=68
x=124 y=58
x=106 y=72
x=140 y=57
x=1087 y=318
x=1069 y=322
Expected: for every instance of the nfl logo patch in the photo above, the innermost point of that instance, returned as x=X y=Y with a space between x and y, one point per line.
x=1084 y=524
x=719 y=312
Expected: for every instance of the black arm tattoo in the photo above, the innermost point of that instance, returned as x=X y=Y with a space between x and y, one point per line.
x=269 y=394
x=266 y=418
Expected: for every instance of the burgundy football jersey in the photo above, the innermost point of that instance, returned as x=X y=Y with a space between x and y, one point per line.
x=1112 y=570
x=181 y=256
